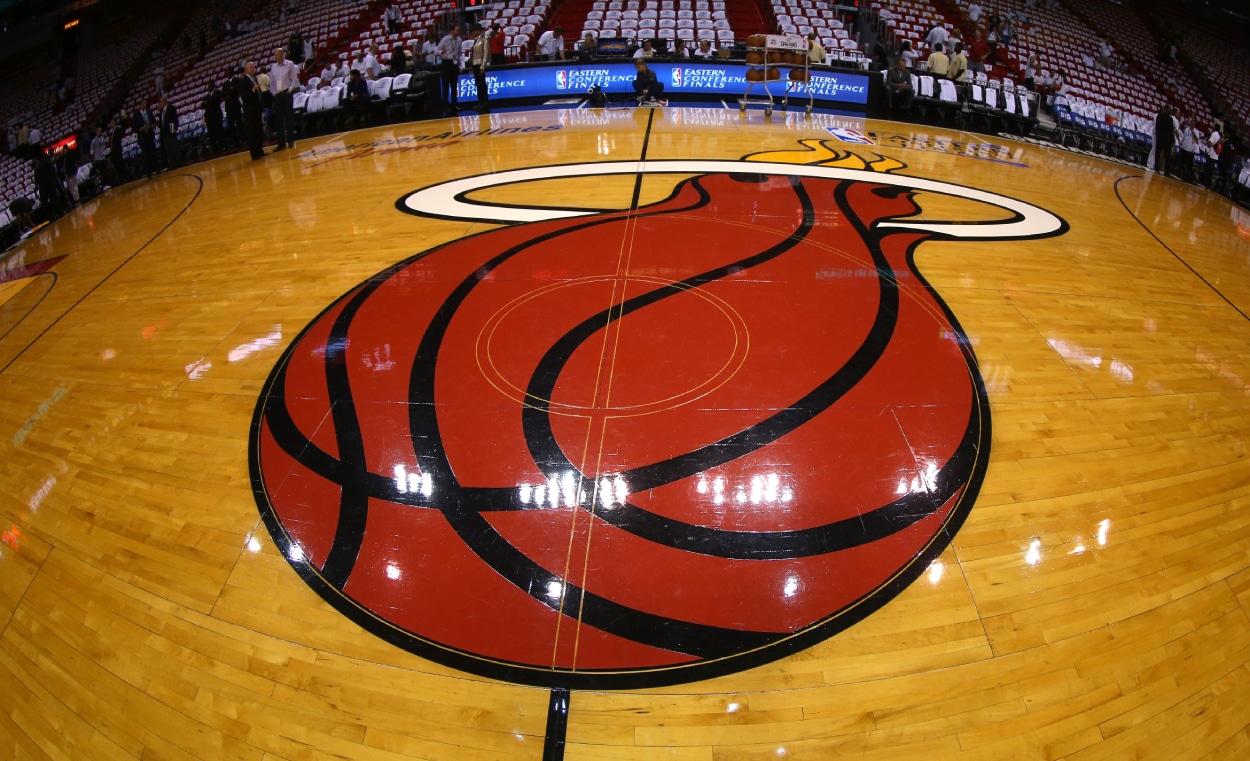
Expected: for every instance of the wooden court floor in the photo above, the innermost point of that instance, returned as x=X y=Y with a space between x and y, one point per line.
x=172 y=573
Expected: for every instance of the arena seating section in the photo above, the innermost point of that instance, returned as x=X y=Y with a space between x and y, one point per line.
x=1135 y=42
x=805 y=16
x=1227 y=70
x=719 y=21
x=30 y=94
x=1066 y=34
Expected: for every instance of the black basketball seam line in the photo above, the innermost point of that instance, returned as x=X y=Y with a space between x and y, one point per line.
x=109 y=276
x=591 y=680
x=1168 y=248
x=353 y=500
x=19 y=320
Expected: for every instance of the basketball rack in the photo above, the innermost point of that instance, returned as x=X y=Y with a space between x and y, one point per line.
x=768 y=58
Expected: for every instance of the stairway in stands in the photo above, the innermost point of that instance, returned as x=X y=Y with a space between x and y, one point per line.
x=569 y=14
x=748 y=17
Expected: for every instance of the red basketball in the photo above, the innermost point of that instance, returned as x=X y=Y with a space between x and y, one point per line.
x=631 y=448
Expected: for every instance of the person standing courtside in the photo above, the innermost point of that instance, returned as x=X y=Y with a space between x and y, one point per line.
x=449 y=69
x=248 y=89
x=479 y=59
x=283 y=79
x=100 y=155
x=234 y=108
x=144 y=126
x=168 y=118
x=116 y=134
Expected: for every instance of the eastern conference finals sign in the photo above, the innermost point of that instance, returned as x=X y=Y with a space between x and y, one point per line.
x=616 y=79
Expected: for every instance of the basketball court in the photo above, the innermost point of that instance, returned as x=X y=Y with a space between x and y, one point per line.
x=666 y=433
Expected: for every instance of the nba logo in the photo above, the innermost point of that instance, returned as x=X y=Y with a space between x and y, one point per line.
x=562 y=79
x=677 y=76
x=851 y=136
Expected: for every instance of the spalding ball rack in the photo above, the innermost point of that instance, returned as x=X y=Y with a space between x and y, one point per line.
x=766 y=54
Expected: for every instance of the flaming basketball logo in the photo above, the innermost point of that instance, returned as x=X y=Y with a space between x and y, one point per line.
x=540 y=455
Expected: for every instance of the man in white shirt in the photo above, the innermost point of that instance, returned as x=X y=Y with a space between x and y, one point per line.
x=448 y=52
x=705 y=50
x=646 y=51
x=283 y=79
x=974 y=12
x=551 y=45
x=370 y=66
x=936 y=36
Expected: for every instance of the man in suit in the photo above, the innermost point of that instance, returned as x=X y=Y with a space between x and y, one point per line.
x=898 y=87
x=212 y=121
x=235 y=133
x=144 y=126
x=169 y=134
x=357 y=100
x=247 y=86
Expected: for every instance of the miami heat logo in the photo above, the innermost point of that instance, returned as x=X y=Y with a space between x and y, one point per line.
x=641 y=447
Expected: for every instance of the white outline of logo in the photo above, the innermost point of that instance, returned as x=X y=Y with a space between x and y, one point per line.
x=448 y=199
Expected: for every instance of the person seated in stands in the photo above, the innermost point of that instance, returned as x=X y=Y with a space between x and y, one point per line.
x=938 y=63
x=705 y=50
x=1104 y=55
x=357 y=99
x=908 y=55
x=679 y=49
x=646 y=51
x=898 y=87
x=815 y=51
x=588 y=47
x=978 y=49
x=646 y=85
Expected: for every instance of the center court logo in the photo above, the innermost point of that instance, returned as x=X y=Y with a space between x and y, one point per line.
x=724 y=506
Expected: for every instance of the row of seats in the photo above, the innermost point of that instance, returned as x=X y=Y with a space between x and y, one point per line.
x=1063 y=41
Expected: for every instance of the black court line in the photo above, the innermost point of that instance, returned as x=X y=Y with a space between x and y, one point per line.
x=558 y=705
x=107 y=277
x=1168 y=248
x=557 y=725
